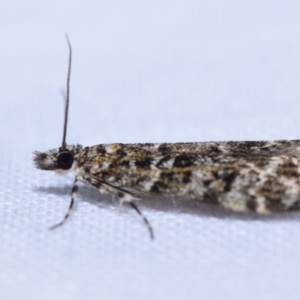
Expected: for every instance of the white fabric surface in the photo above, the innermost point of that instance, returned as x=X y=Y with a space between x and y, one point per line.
x=143 y=71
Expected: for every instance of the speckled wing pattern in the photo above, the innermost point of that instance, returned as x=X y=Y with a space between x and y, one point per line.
x=259 y=176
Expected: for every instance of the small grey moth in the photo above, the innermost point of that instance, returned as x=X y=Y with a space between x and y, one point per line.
x=260 y=176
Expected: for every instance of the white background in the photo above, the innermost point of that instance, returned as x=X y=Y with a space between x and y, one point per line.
x=143 y=71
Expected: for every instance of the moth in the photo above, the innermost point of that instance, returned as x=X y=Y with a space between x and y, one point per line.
x=260 y=176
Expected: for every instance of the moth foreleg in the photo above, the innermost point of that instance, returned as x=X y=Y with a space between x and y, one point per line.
x=74 y=194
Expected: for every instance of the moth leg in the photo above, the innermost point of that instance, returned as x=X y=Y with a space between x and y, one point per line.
x=126 y=196
x=74 y=194
x=134 y=206
x=123 y=194
x=108 y=188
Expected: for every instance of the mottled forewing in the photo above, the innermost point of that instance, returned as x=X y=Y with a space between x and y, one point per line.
x=261 y=176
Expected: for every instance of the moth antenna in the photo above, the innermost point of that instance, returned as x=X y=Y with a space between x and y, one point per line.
x=64 y=144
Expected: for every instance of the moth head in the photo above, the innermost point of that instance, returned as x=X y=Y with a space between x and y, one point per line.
x=62 y=159
x=58 y=160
